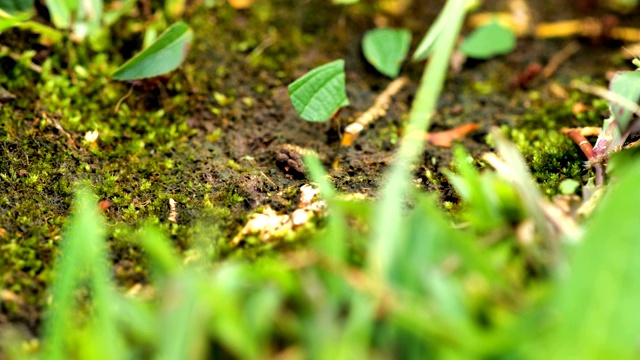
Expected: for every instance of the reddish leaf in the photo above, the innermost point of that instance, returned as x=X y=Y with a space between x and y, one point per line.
x=444 y=138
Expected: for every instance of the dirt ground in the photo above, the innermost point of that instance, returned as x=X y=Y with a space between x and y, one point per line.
x=222 y=146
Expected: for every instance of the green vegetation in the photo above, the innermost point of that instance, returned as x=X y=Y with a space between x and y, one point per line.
x=164 y=55
x=155 y=183
x=386 y=49
x=489 y=40
x=321 y=92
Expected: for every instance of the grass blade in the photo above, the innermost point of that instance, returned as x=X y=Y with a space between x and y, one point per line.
x=389 y=210
x=597 y=306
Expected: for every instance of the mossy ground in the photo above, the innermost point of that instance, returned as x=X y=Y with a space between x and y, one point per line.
x=208 y=139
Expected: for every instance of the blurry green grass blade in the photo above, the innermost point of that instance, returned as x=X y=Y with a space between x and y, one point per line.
x=88 y=18
x=489 y=40
x=355 y=342
x=161 y=254
x=318 y=94
x=426 y=46
x=522 y=179
x=182 y=319
x=60 y=12
x=16 y=6
x=319 y=176
x=332 y=241
x=386 y=48
x=163 y=56
x=84 y=231
x=8 y=21
x=597 y=306
x=389 y=209
x=46 y=33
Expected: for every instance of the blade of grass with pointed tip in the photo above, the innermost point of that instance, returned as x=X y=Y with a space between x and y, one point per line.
x=164 y=55
x=318 y=94
x=60 y=12
x=489 y=40
x=83 y=253
x=386 y=48
x=426 y=45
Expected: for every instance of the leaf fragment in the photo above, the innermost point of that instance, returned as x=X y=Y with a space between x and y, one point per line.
x=386 y=48
x=165 y=54
x=488 y=41
x=318 y=94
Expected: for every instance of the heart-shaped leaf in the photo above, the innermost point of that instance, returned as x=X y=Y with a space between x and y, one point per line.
x=162 y=56
x=386 y=48
x=320 y=93
x=627 y=85
x=489 y=40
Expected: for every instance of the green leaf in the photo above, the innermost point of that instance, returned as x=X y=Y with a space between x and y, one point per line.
x=489 y=40
x=627 y=85
x=15 y=6
x=321 y=92
x=386 y=48
x=597 y=306
x=164 y=55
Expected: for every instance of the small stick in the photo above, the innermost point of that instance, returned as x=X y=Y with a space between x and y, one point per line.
x=587 y=150
x=607 y=95
x=115 y=110
x=376 y=111
x=582 y=142
x=560 y=57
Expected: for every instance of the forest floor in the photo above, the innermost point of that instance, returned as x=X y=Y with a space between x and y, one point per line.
x=220 y=138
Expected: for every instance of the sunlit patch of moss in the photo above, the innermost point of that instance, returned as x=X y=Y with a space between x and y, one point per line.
x=551 y=155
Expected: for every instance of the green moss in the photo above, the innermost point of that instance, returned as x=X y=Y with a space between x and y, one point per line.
x=551 y=155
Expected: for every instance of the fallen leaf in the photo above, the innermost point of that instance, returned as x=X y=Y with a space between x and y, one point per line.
x=445 y=138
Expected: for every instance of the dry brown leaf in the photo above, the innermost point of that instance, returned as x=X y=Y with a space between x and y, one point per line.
x=445 y=138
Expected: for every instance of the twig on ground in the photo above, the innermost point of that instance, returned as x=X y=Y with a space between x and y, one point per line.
x=378 y=110
x=560 y=57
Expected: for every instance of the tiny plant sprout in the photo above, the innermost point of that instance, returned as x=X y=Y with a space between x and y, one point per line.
x=318 y=94
x=386 y=48
x=164 y=55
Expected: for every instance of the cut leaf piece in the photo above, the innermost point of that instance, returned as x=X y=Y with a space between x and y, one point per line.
x=164 y=55
x=489 y=40
x=627 y=85
x=320 y=93
x=386 y=48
